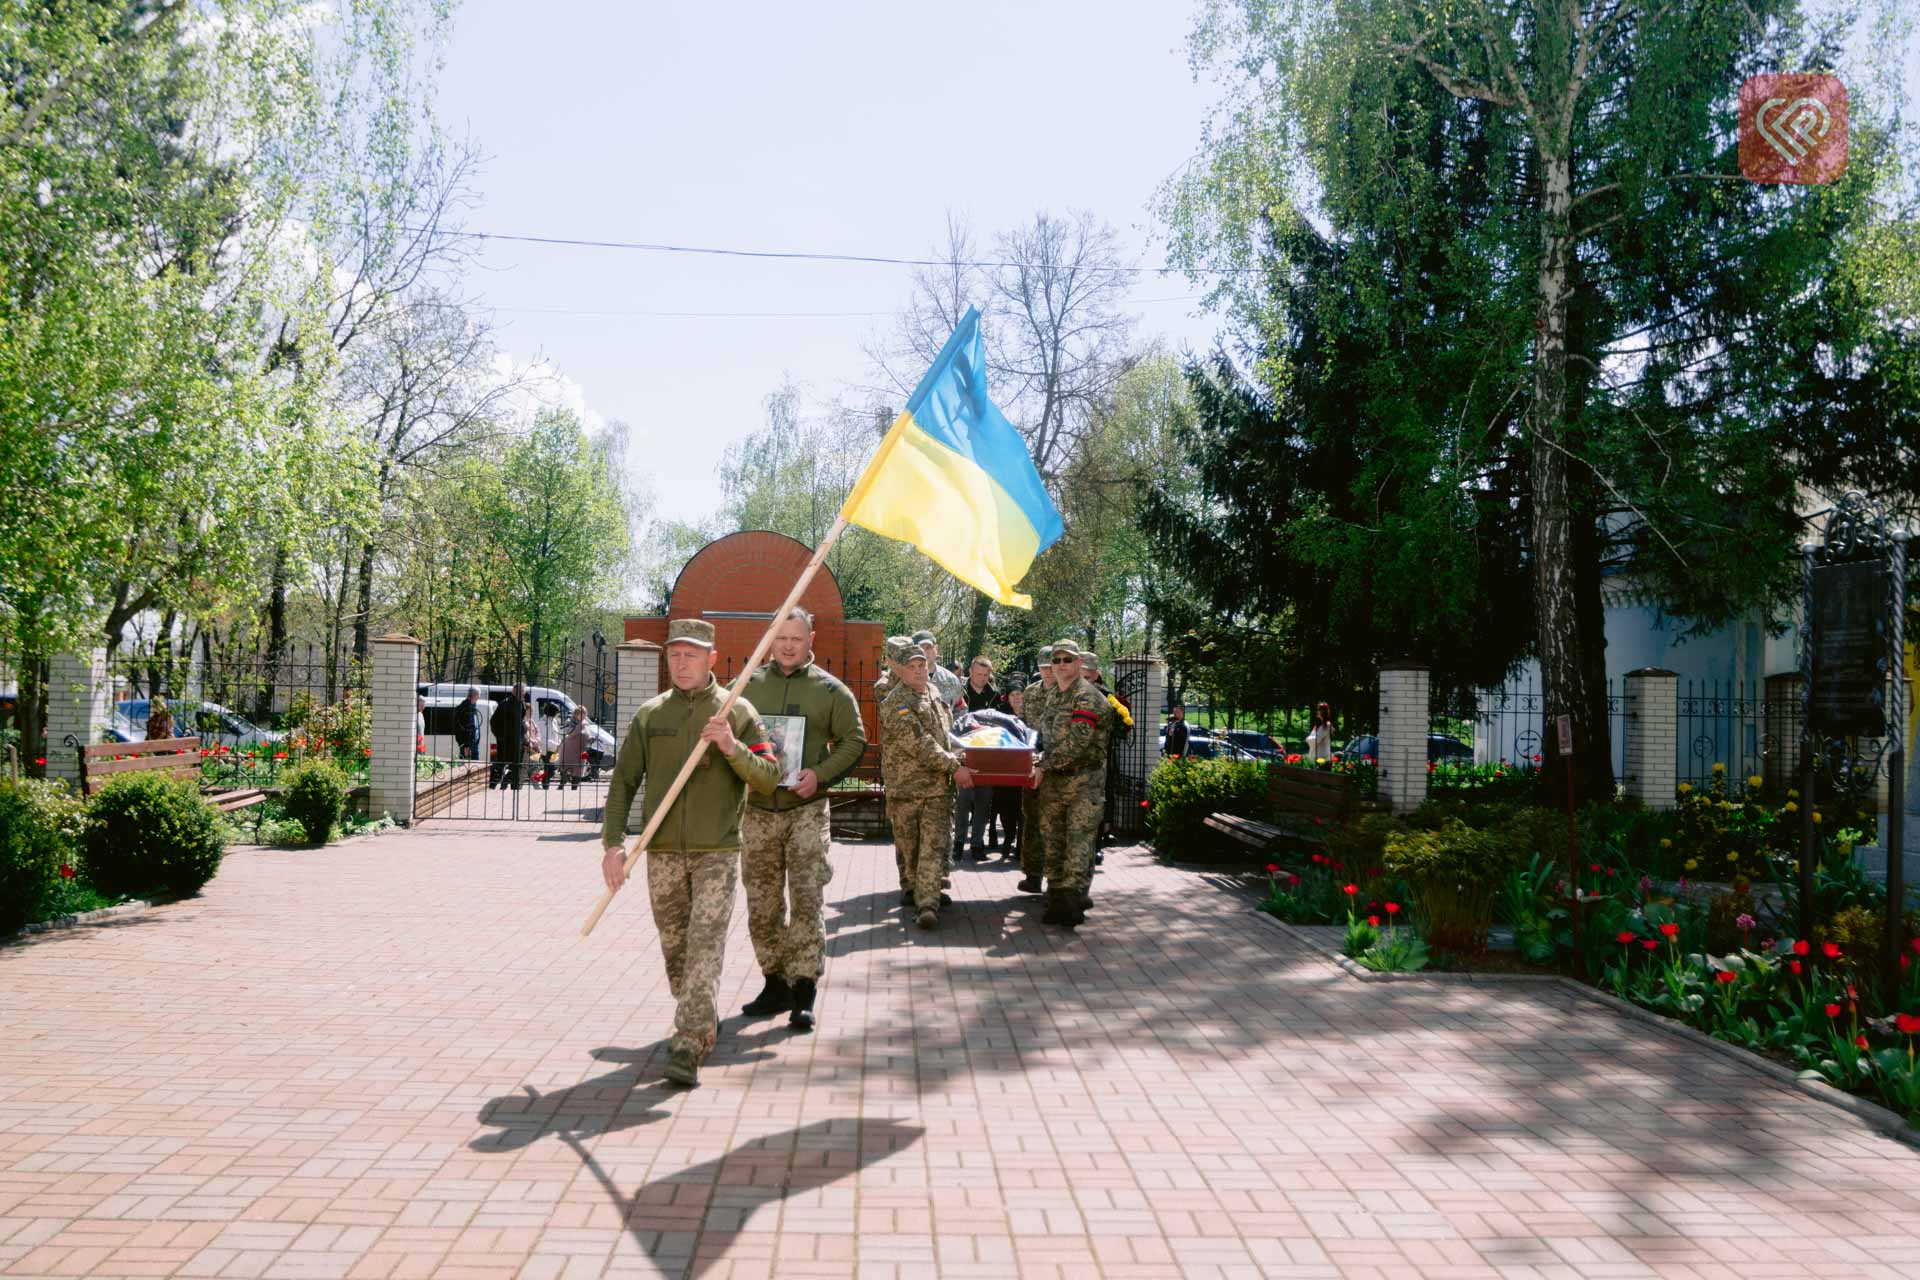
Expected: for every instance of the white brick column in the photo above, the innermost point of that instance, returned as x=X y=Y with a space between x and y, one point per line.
x=77 y=694
x=392 y=691
x=636 y=668
x=1404 y=715
x=1653 y=732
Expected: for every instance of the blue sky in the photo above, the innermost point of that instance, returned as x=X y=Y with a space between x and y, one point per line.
x=838 y=127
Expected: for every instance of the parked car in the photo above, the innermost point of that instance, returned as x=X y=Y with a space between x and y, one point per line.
x=212 y=723
x=1442 y=748
x=1260 y=746
x=602 y=746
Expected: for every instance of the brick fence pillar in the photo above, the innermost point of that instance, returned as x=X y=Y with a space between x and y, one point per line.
x=392 y=687
x=1780 y=732
x=636 y=666
x=1404 y=714
x=76 y=696
x=1653 y=734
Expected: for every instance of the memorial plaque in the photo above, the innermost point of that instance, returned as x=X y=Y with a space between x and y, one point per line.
x=1849 y=649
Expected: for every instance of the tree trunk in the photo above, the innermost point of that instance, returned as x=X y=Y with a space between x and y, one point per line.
x=977 y=628
x=276 y=637
x=30 y=716
x=1562 y=625
x=364 y=614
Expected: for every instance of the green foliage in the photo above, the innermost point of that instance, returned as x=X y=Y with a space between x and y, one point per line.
x=343 y=728
x=40 y=826
x=1181 y=793
x=1400 y=951
x=1361 y=841
x=146 y=832
x=315 y=796
x=1456 y=873
x=1527 y=903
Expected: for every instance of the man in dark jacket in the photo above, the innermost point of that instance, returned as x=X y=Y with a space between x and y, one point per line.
x=509 y=739
x=466 y=726
x=1176 y=744
x=976 y=803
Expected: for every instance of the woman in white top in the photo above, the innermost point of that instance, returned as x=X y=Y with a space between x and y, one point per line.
x=1320 y=735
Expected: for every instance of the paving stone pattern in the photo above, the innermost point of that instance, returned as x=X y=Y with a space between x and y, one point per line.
x=397 y=1058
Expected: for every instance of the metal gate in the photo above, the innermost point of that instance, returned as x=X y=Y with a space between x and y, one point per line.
x=480 y=782
x=1131 y=759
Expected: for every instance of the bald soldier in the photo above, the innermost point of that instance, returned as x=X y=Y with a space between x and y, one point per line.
x=693 y=860
x=921 y=769
x=1070 y=774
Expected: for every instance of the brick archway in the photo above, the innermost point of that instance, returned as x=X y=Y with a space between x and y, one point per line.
x=736 y=583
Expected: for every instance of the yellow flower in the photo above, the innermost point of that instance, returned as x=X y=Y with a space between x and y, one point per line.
x=1718 y=767
x=1816 y=817
x=1686 y=788
x=1726 y=804
x=1733 y=857
x=1321 y=760
x=1791 y=806
x=1692 y=863
x=1754 y=782
x=1665 y=843
x=1793 y=795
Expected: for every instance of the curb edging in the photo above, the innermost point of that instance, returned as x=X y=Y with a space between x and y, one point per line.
x=1871 y=1114
x=88 y=917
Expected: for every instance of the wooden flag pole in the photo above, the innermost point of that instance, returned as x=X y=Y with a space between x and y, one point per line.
x=639 y=847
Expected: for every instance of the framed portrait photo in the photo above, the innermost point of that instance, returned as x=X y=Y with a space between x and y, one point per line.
x=789 y=735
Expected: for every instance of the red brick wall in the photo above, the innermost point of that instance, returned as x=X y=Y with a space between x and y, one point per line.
x=751 y=573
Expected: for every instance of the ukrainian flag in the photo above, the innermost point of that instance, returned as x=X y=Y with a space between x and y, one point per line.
x=953 y=478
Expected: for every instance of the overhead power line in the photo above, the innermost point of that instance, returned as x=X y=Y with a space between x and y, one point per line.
x=750 y=315
x=791 y=255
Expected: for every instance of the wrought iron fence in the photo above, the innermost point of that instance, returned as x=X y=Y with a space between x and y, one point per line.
x=231 y=700
x=1503 y=726
x=1722 y=722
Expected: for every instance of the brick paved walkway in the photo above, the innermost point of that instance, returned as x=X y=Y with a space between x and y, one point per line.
x=395 y=1058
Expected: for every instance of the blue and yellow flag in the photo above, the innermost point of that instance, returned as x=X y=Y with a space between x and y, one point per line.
x=953 y=478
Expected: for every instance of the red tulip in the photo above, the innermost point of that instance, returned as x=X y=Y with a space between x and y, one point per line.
x=1907 y=1023
x=1859 y=1042
x=1725 y=976
x=1649 y=943
x=1623 y=937
x=1293 y=880
x=1351 y=889
x=1801 y=947
x=66 y=871
x=1670 y=929
x=42 y=760
x=1374 y=921
x=1831 y=950
x=1833 y=1011
x=1795 y=964
x=1393 y=908
x=1272 y=867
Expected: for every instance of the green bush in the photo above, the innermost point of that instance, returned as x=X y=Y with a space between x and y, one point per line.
x=146 y=832
x=1457 y=873
x=40 y=827
x=1361 y=842
x=316 y=797
x=1181 y=793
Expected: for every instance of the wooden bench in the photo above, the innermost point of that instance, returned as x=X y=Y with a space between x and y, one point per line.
x=1324 y=799
x=170 y=758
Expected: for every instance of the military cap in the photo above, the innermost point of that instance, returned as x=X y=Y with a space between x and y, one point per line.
x=690 y=631
x=902 y=649
x=1046 y=657
x=924 y=637
x=1063 y=646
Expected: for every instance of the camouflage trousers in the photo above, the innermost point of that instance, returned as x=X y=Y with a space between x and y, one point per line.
x=922 y=828
x=692 y=905
x=784 y=868
x=1033 y=842
x=1070 y=810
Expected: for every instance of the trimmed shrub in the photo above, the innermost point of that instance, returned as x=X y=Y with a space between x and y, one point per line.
x=316 y=798
x=40 y=827
x=146 y=832
x=1181 y=793
x=1456 y=873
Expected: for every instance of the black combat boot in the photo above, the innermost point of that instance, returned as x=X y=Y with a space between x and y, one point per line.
x=775 y=997
x=801 y=1018
x=1056 y=905
x=1029 y=884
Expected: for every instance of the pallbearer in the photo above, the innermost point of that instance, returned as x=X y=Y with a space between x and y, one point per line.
x=785 y=836
x=694 y=858
x=1070 y=774
x=921 y=770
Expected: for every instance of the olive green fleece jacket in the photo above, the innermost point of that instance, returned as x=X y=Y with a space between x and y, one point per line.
x=835 y=736
x=705 y=816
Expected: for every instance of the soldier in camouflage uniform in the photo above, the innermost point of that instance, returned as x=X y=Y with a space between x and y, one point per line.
x=921 y=770
x=694 y=856
x=785 y=836
x=1033 y=842
x=1071 y=773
